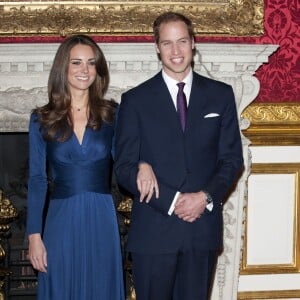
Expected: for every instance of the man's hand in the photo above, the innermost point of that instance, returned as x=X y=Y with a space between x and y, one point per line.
x=146 y=182
x=190 y=206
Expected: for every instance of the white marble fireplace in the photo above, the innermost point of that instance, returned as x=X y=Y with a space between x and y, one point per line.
x=24 y=70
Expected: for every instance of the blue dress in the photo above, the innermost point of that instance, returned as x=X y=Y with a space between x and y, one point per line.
x=81 y=231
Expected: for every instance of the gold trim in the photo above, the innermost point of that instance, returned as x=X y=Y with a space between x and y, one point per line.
x=219 y=17
x=288 y=294
x=273 y=123
x=294 y=267
x=273 y=112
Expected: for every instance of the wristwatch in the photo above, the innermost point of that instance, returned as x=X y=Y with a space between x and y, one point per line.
x=209 y=198
x=209 y=201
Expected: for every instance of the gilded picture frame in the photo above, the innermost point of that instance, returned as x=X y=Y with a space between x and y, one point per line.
x=119 y=18
x=294 y=265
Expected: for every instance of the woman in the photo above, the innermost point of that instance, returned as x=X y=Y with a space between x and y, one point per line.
x=77 y=248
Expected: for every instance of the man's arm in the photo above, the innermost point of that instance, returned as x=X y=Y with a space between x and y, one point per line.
x=229 y=165
x=127 y=146
x=128 y=157
x=230 y=153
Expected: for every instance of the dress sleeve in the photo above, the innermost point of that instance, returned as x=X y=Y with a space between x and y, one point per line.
x=37 y=183
x=113 y=148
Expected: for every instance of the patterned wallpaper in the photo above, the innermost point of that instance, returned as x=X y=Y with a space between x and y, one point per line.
x=280 y=78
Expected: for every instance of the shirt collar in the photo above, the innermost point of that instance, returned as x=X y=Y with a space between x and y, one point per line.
x=172 y=82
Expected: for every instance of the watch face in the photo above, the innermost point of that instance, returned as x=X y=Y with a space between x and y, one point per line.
x=208 y=198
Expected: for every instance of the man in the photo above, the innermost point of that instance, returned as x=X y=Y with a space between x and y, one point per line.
x=190 y=160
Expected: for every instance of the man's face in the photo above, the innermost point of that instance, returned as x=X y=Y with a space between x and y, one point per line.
x=175 y=48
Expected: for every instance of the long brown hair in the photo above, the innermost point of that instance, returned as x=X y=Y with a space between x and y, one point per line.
x=54 y=117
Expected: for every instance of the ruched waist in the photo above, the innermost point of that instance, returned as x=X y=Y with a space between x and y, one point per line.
x=69 y=180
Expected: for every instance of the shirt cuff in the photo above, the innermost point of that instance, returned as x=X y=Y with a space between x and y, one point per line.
x=210 y=206
x=172 y=207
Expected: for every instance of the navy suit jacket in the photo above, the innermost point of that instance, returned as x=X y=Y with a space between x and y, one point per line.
x=207 y=156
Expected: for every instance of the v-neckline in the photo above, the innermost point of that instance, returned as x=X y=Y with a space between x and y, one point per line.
x=80 y=143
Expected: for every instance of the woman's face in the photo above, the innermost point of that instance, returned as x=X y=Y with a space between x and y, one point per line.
x=82 y=68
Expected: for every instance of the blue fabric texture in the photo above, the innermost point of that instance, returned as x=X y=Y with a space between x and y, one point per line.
x=81 y=231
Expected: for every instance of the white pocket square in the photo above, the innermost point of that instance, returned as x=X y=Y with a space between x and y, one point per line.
x=211 y=115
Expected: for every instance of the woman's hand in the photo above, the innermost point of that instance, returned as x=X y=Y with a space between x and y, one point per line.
x=37 y=252
x=146 y=182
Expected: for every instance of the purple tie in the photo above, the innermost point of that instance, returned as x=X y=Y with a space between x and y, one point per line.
x=181 y=104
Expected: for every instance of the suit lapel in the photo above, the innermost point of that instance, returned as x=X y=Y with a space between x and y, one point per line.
x=162 y=99
x=164 y=103
x=197 y=102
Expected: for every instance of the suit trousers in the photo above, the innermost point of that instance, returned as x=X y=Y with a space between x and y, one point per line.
x=186 y=275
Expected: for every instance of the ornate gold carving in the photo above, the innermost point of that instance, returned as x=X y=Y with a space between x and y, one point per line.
x=273 y=123
x=268 y=113
x=231 y=17
x=280 y=294
x=132 y=295
x=124 y=209
x=7 y=214
x=2 y=274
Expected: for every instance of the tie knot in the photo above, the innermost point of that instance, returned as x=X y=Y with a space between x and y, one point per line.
x=181 y=85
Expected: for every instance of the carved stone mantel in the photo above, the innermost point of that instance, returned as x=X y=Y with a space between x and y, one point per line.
x=24 y=70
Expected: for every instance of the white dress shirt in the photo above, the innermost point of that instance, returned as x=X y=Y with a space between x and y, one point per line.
x=173 y=89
